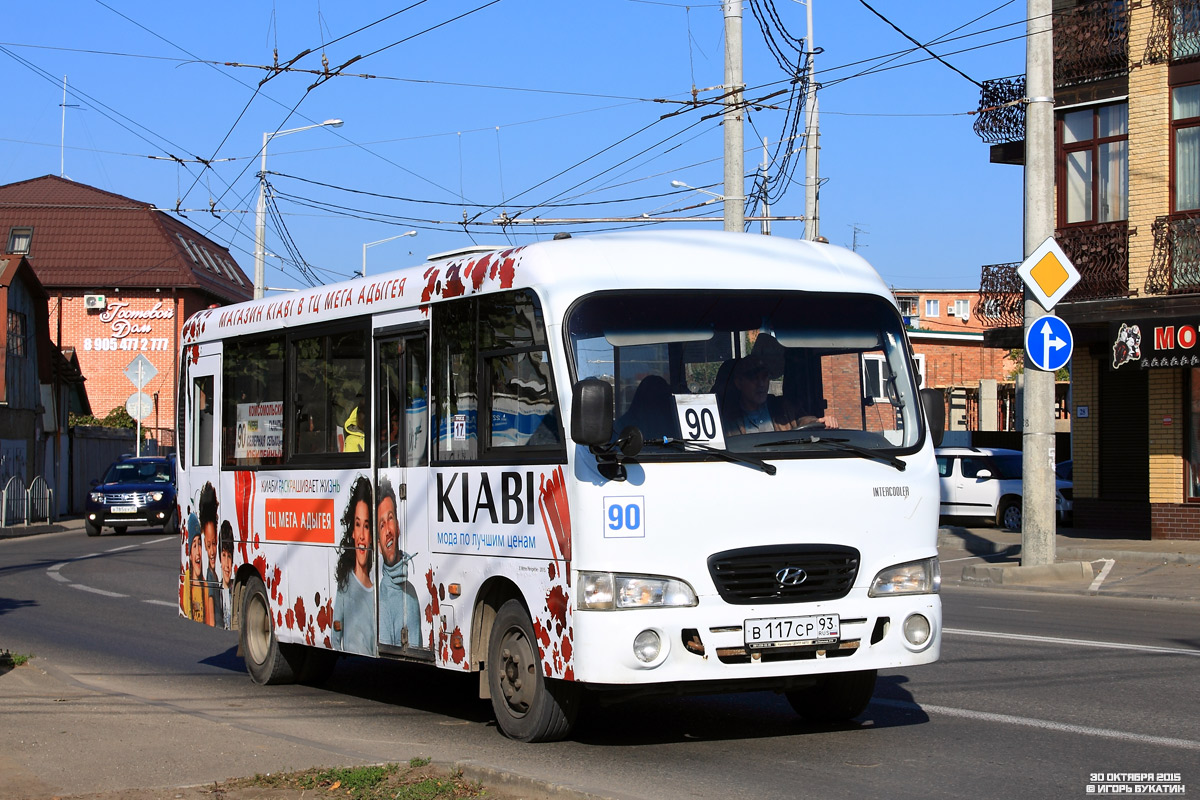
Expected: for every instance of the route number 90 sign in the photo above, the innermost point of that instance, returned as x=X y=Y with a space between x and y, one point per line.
x=699 y=420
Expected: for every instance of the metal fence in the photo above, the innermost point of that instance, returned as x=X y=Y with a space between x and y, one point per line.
x=21 y=504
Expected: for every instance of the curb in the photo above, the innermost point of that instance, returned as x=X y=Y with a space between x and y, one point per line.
x=1062 y=572
x=526 y=788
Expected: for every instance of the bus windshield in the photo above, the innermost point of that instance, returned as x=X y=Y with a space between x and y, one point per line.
x=766 y=372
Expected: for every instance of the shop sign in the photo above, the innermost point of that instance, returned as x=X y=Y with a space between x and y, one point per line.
x=1154 y=343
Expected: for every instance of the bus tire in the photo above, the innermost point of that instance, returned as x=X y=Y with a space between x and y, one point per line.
x=835 y=698
x=92 y=528
x=529 y=707
x=265 y=658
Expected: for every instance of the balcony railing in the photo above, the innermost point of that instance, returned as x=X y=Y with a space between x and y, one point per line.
x=1175 y=266
x=1091 y=42
x=1001 y=115
x=1175 y=32
x=1101 y=254
x=1001 y=296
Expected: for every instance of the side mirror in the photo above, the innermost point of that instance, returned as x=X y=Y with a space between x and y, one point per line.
x=934 y=403
x=592 y=412
x=983 y=475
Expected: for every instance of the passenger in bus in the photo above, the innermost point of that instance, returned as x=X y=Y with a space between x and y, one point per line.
x=207 y=511
x=652 y=410
x=356 y=428
x=749 y=407
x=354 y=604
x=399 y=612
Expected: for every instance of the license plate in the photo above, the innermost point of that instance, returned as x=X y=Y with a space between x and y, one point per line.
x=124 y=509
x=792 y=631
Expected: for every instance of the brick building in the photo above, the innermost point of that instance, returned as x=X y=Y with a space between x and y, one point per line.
x=1127 y=183
x=946 y=328
x=121 y=278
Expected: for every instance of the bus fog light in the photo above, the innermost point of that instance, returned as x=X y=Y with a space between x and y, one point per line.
x=646 y=646
x=917 y=630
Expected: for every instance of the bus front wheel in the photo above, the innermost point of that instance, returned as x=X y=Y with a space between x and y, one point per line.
x=529 y=707
x=835 y=698
x=265 y=658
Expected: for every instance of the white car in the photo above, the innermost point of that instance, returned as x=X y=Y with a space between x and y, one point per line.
x=986 y=482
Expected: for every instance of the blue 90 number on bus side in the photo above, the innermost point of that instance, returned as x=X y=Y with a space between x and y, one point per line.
x=624 y=517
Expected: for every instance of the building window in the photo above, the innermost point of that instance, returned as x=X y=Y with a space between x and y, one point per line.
x=18 y=241
x=909 y=305
x=961 y=309
x=1185 y=130
x=16 y=334
x=1094 y=165
x=933 y=308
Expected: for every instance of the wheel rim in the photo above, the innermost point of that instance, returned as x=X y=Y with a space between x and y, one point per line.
x=1012 y=517
x=258 y=629
x=518 y=676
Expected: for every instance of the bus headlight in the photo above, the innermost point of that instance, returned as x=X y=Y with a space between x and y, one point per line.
x=915 y=577
x=607 y=591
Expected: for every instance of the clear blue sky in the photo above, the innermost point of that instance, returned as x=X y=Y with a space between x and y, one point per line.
x=531 y=107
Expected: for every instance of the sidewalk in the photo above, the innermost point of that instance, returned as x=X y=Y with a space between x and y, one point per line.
x=1090 y=562
x=73 y=523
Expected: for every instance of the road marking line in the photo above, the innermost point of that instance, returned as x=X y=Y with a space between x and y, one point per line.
x=163 y=539
x=1017 y=610
x=1044 y=724
x=1178 y=651
x=1108 y=565
x=162 y=603
x=53 y=573
x=126 y=547
x=84 y=588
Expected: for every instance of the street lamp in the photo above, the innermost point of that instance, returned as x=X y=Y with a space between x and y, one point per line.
x=381 y=241
x=260 y=220
x=682 y=185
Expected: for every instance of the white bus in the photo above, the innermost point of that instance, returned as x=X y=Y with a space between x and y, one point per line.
x=622 y=464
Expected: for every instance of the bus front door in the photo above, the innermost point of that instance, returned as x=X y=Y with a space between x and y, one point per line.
x=401 y=491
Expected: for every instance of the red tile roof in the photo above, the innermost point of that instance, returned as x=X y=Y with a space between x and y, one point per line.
x=85 y=238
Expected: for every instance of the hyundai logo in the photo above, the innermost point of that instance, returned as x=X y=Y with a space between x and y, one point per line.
x=791 y=576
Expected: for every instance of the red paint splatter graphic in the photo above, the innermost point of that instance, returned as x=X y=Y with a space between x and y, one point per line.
x=243 y=495
x=457 y=652
x=453 y=286
x=552 y=568
x=478 y=271
x=301 y=617
x=556 y=515
x=431 y=276
x=556 y=604
x=290 y=619
x=507 y=272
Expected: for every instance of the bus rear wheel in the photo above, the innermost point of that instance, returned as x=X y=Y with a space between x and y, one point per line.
x=529 y=707
x=265 y=657
x=834 y=698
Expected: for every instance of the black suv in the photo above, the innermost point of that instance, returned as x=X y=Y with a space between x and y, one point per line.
x=135 y=492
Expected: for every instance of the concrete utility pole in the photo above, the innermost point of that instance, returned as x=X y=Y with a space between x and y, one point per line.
x=812 y=136
x=1037 y=436
x=735 y=156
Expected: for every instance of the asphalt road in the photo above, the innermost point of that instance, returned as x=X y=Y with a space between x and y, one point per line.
x=1035 y=694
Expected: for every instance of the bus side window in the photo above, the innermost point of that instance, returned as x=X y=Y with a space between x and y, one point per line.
x=252 y=412
x=494 y=388
x=202 y=423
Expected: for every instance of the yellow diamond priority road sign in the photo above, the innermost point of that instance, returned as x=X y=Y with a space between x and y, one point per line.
x=1048 y=273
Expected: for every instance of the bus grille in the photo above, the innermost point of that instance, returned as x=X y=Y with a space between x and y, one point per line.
x=751 y=574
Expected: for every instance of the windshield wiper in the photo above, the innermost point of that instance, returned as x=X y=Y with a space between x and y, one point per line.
x=843 y=444
x=749 y=461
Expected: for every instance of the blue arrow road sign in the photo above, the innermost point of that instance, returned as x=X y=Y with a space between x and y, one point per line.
x=1048 y=343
